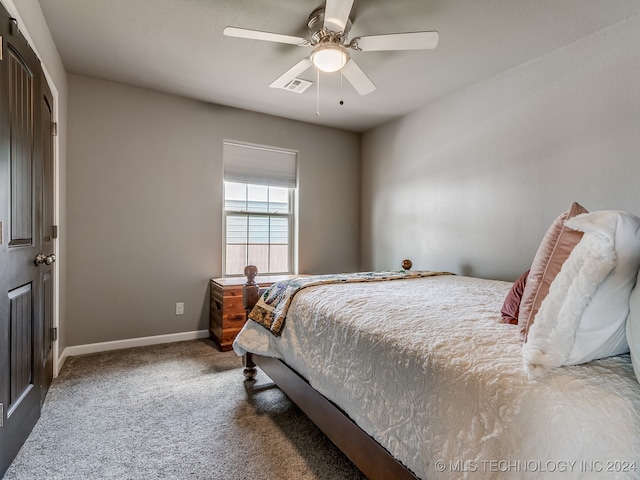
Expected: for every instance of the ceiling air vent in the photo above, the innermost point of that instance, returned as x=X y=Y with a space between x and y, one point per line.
x=297 y=85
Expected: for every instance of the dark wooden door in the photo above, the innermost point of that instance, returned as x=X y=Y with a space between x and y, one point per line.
x=21 y=292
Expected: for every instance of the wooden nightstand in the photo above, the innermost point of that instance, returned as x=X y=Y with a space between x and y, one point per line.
x=227 y=312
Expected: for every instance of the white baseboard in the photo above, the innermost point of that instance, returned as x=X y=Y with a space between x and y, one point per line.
x=76 y=350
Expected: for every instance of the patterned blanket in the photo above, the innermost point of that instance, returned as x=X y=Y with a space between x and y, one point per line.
x=271 y=309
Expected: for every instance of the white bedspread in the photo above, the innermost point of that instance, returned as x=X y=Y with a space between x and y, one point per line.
x=427 y=369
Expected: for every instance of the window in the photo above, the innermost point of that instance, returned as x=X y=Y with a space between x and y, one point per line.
x=259 y=193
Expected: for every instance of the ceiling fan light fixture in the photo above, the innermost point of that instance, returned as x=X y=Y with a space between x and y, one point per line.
x=330 y=57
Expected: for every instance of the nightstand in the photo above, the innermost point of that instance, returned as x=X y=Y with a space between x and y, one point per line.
x=227 y=312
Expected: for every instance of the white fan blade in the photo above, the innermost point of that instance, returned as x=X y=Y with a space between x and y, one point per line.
x=269 y=37
x=358 y=78
x=398 y=41
x=292 y=73
x=336 y=14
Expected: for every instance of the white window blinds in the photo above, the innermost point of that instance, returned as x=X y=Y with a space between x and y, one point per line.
x=259 y=165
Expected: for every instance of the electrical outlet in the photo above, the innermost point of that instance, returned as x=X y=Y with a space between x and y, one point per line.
x=180 y=308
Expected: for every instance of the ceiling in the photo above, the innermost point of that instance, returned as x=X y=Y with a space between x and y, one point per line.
x=177 y=46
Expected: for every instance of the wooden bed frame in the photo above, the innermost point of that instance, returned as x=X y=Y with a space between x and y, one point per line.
x=366 y=454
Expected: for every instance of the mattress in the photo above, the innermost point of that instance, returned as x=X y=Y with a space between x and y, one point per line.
x=426 y=367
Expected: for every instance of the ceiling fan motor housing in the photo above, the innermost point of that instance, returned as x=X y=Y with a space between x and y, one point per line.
x=319 y=33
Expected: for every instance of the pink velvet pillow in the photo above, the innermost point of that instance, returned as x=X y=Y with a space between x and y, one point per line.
x=554 y=249
x=511 y=306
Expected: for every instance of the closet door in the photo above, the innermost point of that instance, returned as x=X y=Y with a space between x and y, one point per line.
x=21 y=292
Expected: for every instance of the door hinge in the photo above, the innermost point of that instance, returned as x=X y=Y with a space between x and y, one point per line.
x=13 y=26
x=54 y=231
x=54 y=333
x=1 y=48
x=54 y=129
x=1 y=415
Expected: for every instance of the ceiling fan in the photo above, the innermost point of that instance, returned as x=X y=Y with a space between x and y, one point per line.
x=329 y=27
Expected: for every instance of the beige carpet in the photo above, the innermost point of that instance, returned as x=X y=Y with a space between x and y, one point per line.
x=172 y=411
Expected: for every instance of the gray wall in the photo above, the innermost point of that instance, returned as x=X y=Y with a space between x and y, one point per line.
x=470 y=184
x=144 y=189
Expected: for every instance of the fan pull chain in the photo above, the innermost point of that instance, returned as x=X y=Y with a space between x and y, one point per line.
x=341 y=79
x=318 y=92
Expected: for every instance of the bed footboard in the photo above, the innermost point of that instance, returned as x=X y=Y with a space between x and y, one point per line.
x=251 y=291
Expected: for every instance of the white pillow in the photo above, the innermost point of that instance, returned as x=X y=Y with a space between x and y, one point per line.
x=633 y=328
x=583 y=317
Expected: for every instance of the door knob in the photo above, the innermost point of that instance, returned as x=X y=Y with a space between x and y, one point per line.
x=46 y=259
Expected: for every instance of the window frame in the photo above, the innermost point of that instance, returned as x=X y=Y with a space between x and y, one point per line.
x=291 y=236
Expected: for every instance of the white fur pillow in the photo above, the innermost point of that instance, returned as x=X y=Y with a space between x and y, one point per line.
x=583 y=317
x=633 y=328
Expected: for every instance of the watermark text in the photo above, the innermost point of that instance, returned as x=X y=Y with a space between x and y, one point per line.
x=535 y=466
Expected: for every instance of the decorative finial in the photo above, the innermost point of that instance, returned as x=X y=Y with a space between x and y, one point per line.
x=251 y=272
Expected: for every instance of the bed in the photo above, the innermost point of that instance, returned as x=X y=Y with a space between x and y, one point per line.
x=421 y=377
